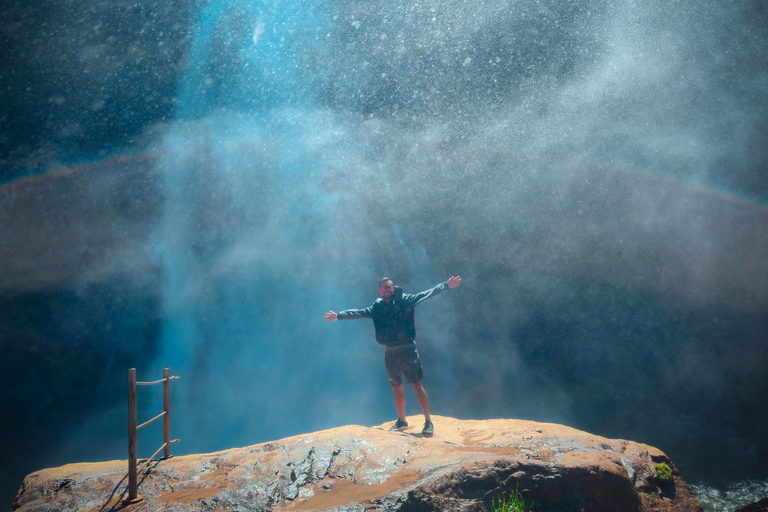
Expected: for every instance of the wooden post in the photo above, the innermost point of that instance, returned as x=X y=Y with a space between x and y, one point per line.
x=132 y=477
x=167 y=410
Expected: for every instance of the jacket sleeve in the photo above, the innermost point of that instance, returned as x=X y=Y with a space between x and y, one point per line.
x=426 y=294
x=354 y=314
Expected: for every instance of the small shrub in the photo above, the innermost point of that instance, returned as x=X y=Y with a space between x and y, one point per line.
x=515 y=502
x=663 y=473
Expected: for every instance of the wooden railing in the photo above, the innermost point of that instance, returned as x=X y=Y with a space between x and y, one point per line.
x=133 y=471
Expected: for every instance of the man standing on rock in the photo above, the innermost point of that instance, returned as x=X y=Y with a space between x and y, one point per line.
x=392 y=317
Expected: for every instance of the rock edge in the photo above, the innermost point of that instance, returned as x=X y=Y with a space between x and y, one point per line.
x=465 y=466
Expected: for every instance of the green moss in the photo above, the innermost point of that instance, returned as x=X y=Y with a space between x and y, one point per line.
x=663 y=473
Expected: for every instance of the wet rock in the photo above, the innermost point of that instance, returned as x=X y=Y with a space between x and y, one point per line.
x=466 y=465
x=760 y=506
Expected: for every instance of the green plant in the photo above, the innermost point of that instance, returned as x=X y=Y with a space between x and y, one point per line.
x=515 y=502
x=663 y=473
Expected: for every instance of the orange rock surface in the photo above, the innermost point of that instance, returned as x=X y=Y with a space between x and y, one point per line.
x=464 y=466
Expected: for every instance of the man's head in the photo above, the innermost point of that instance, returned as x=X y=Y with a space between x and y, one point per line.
x=386 y=288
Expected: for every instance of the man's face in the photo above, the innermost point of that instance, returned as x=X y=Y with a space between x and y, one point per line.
x=387 y=289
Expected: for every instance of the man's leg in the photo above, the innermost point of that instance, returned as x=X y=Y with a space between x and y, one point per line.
x=421 y=396
x=399 y=393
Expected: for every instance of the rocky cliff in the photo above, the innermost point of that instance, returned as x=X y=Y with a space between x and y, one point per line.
x=466 y=465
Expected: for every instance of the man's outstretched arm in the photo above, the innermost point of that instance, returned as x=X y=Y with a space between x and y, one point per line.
x=452 y=282
x=348 y=314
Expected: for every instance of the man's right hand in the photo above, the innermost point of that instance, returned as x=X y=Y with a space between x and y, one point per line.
x=330 y=316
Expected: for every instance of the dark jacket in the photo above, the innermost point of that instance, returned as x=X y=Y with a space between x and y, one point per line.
x=393 y=320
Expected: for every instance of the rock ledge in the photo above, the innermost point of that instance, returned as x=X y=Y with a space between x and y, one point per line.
x=464 y=466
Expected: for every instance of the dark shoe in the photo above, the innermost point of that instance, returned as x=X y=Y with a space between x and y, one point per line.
x=399 y=425
x=429 y=428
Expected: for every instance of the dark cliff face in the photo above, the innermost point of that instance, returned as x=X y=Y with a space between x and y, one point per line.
x=83 y=77
x=466 y=465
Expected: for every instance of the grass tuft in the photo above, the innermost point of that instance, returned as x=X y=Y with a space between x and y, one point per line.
x=514 y=503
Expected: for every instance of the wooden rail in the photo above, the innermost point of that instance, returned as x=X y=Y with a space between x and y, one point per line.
x=133 y=470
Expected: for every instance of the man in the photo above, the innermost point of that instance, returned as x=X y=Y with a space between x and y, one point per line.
x=392 y=316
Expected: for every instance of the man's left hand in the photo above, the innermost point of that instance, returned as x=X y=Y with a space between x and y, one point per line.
x=453 y=282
